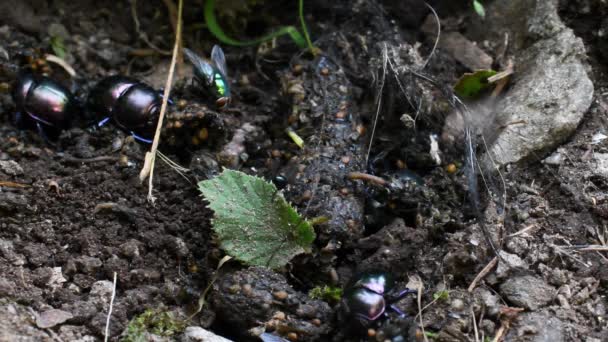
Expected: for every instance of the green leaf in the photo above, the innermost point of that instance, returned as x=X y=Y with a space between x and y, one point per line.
x=58 y=46
x=214 y=27
x=441 y=295
x=253 y=221
x=479 y=9
x=470 y=85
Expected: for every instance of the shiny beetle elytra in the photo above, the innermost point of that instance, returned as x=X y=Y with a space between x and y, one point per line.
x=366 y=297
x=212 y=74
x=44 y=102
x=130 y=104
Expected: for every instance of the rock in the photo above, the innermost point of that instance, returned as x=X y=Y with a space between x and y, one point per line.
x=51 y=318
x=198 y=334
x=11 y=167
x=489 y=300
x=551 y=93
x=537 y=327
x=130 y=248
x=508 y=263
x=551 y=89
x=16 y=324
x=245 y=298
x=101 y=291
x=88 y=265
x=12 y=202
x=465 y=51
x=528 y=292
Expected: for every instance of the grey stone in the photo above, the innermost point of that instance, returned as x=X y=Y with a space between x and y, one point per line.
x=537 y=327
x=551 y=89
x=528 y=292
x=489 y=300
x=88 y=265
x=11 y=167
x=16 y=323
x=198 y=334
x=51 y=318
x=101 y=291
x=507 y=263
x=130 y=248
x=12 y=202
x=550 y=95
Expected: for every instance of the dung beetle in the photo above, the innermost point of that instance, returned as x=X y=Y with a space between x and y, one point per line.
x=130 y=104
x=45 y=103
x=213 y=74
x=367 y=296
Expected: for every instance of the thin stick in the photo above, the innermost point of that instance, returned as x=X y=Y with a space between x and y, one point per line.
x=151 y=155
x=436 y=39
x=593 y=248
x=367 y=177
x=475 y=325
x=419 y=300
x=523 y=231
x=107 y=332
x=379 y=105
x=483 y=273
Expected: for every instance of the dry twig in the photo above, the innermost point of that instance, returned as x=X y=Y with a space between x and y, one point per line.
x=148 y=169
x=107 y=331
x=484 y=272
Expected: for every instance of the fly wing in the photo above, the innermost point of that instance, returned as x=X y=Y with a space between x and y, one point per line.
x=217 y=56
x=203 y=70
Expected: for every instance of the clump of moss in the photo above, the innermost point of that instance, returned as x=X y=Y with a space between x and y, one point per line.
x=326 y=293
x=160 y=323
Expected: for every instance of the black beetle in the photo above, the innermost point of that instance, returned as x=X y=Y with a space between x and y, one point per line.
x=132 y=105
x=46 y=103
x=366 y=297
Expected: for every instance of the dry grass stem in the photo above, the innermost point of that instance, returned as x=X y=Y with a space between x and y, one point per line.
x=484 y=272
x=148 y=169
x=107 y=331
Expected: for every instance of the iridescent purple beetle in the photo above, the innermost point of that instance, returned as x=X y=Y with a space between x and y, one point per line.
x=367 y=298
x=43 y=102
x=131 y=105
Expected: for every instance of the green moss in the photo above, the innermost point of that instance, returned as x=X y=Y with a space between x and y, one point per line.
x=155 y=322
x=326 y=293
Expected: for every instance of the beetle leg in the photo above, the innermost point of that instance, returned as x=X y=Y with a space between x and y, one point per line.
x=138 y=138
x=405 y=293
x=161 y=92
x=398 y=311
x=103 y=121
x=43 y=134
x=20 y=120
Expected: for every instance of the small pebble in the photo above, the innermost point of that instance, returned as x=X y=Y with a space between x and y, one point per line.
x=371 y=332
x=324 y=71
x=276 y=153
x=344 y=191
x=234 y=289
x=316 y=322
x=360 y=129
x=307 y=195
x=345 y=159
x=280 y=315
x=181 y=104
x=451 y=168
x=340 y=114
x=280 y=295
x=297 y=69
x=203 y=134
x=292 y=336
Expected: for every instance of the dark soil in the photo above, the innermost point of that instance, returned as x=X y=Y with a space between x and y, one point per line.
x=73 y=212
